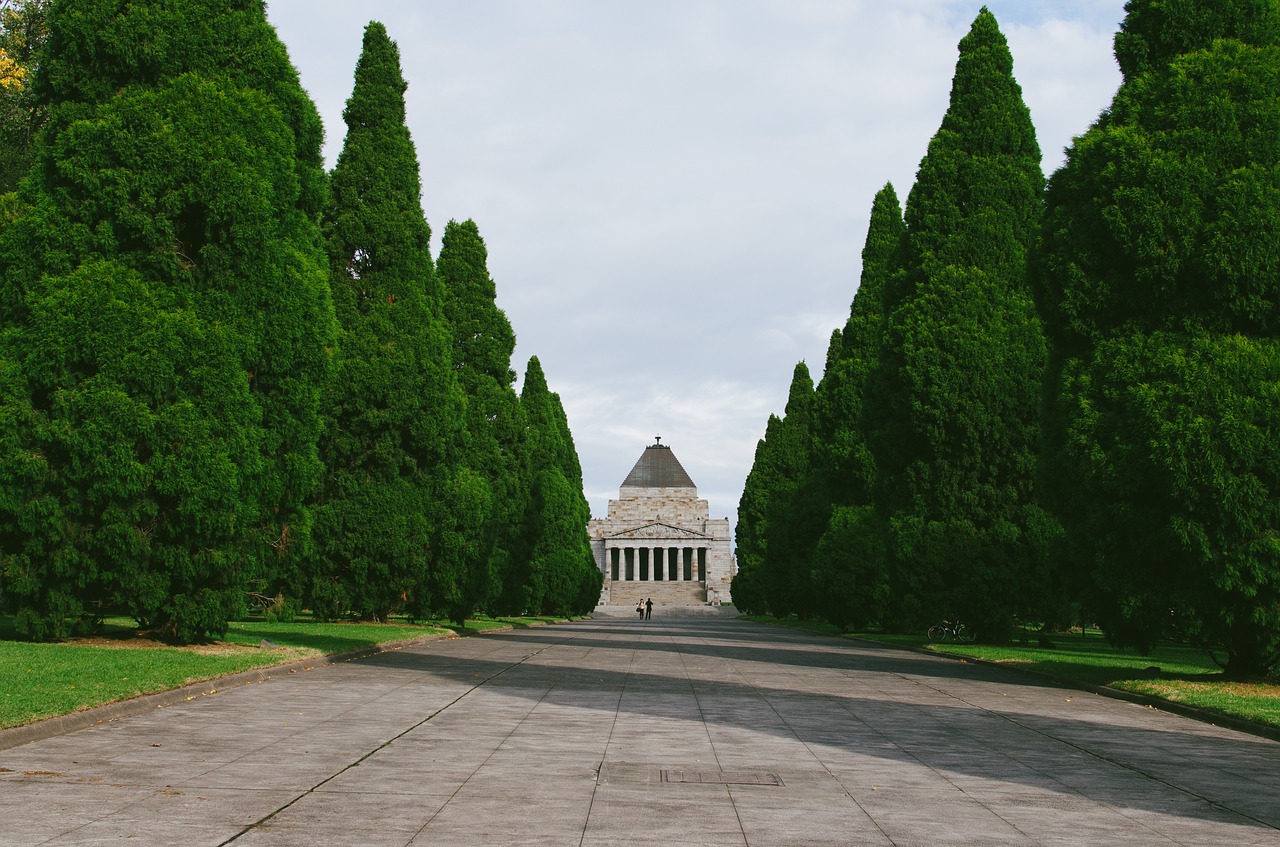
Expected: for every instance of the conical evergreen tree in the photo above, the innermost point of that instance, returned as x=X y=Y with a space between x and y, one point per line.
x=751 y=535
x=849 y=561
x=394 y=410
x=559 y=575
x=775 y=512
x=785 y=575
x=483 y=342
x=849 y=462
x=803 y=517
x=954 y=417
x=1158 y=281
x=166 y=321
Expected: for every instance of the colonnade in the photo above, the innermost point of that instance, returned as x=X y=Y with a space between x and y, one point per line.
x=657 y=564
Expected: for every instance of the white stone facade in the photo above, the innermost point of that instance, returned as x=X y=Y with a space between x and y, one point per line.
x=659 y=541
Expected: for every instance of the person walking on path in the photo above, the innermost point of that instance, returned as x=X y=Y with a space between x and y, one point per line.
x=640 y=609
x=648 y=609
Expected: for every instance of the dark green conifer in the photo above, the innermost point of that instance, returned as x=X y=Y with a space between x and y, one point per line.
x=557 y=574
x=1158 y=281
x=392 y=517
x=782 y=510
x=791 y=506
x=483 y=342
x=751 y=535
x=953 y=419
x=165 y=321
x=850 y=570
x=838 y=414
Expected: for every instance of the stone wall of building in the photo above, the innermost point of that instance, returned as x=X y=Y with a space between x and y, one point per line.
x=672 y=505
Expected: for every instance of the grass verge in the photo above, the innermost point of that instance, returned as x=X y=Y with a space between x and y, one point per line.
x=44 y=680
x=1187 y=675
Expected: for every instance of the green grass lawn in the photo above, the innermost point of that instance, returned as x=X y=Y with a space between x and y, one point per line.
x=1187 y=675
x=43 y=680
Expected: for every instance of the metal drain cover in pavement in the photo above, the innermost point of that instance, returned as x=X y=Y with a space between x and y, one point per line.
x=723 y=777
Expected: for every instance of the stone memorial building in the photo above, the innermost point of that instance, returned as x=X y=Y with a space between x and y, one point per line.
x=659 y=541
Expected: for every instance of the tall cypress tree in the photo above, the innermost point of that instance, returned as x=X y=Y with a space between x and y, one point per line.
x=483 y=342
x=800 y=520
x=166 y=321
x=849 y=557
x=384 y=535
x=838 y=414
x=558 y=573
x=954 y=425
x=751 y=534
x=793 y=504
x=1158 y=282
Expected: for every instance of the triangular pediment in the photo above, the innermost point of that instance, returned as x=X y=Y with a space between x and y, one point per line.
x=658 y=530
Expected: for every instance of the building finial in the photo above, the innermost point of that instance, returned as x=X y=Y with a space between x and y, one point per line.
x=657 y=441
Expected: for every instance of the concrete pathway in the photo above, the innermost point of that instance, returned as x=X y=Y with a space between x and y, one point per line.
x=685 y=730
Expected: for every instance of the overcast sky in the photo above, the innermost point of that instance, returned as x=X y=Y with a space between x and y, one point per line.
x=675 y=193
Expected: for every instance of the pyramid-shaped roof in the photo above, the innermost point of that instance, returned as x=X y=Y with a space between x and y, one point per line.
x=658 y=467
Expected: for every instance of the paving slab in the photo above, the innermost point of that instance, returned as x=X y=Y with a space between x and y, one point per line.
x=693 y=728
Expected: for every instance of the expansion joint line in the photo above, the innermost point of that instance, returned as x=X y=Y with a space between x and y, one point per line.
x=607 y=743
x=746 y=681
x=702 y=715
x=498 y=746
x=258 y=823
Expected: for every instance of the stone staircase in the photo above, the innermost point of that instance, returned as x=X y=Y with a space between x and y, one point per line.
x=662 y=593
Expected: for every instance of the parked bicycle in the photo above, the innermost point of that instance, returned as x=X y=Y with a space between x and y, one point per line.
x=951 y=631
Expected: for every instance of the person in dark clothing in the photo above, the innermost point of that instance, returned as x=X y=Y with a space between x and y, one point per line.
x=648 y=609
